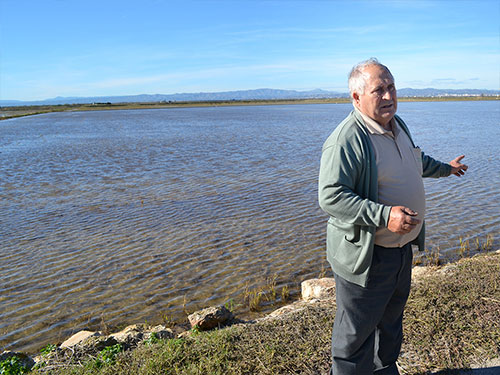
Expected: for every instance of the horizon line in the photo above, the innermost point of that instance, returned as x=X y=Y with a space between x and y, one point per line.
x=492 y=91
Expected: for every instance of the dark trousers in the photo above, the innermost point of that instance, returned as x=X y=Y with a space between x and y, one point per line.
x=368 y=331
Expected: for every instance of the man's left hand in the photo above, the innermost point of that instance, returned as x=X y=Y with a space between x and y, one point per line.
x=457 y=168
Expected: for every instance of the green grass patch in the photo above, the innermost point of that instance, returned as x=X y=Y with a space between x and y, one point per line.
x=13 y=366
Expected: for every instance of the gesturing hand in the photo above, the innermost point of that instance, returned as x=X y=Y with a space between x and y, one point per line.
x=402 y=220
x=457 y=168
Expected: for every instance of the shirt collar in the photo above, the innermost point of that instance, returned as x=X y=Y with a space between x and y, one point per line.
x=374 y=127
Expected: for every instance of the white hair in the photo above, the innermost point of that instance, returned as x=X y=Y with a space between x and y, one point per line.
x=358 y=77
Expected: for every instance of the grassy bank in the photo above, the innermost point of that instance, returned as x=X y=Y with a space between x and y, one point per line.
x=20 y=111
x=452 y=321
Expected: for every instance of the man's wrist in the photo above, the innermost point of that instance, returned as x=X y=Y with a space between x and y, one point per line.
x=386 y=215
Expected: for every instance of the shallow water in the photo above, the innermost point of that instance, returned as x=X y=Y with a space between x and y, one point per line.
x=130 y=216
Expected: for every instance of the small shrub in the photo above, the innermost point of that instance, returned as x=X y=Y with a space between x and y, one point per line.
x=13 y=366
x=108 y=354
x=48 y=349
x=153 y=339
x=254 y=300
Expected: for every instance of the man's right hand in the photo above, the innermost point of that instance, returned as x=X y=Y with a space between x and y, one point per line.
x=402 y=220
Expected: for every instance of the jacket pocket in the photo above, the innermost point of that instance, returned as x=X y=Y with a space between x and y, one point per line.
x=341 y=248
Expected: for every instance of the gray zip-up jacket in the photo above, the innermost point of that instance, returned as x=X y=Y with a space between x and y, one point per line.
x=348 y=193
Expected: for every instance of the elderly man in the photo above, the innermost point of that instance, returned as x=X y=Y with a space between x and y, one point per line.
x=370 y=185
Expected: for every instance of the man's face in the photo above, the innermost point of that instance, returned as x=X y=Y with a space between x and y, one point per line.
x=379 y=101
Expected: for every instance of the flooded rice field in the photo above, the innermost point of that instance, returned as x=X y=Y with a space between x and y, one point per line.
x=117 y=217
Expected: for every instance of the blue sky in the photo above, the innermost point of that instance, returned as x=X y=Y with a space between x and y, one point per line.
x=97 y=48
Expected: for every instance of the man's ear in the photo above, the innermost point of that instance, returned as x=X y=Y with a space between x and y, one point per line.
x=355 y=97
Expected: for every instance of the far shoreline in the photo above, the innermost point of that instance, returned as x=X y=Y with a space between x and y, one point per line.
x=10 y=112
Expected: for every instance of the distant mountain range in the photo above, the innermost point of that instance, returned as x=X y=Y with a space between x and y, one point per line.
x=259 y=94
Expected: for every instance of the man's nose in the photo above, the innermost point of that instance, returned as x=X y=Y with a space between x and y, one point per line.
x=387 y=95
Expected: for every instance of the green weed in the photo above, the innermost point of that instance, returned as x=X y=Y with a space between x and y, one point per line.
x=285 y=293
x=107 y=356
x=13 y=366
x=48 y=349
x=464 y=248
x=270 y=293
x=230 y=305
x=478 y=244
x=433 y=257
x=153 y=339
x=168 y=321
x=489 y=243
x=255 y=297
